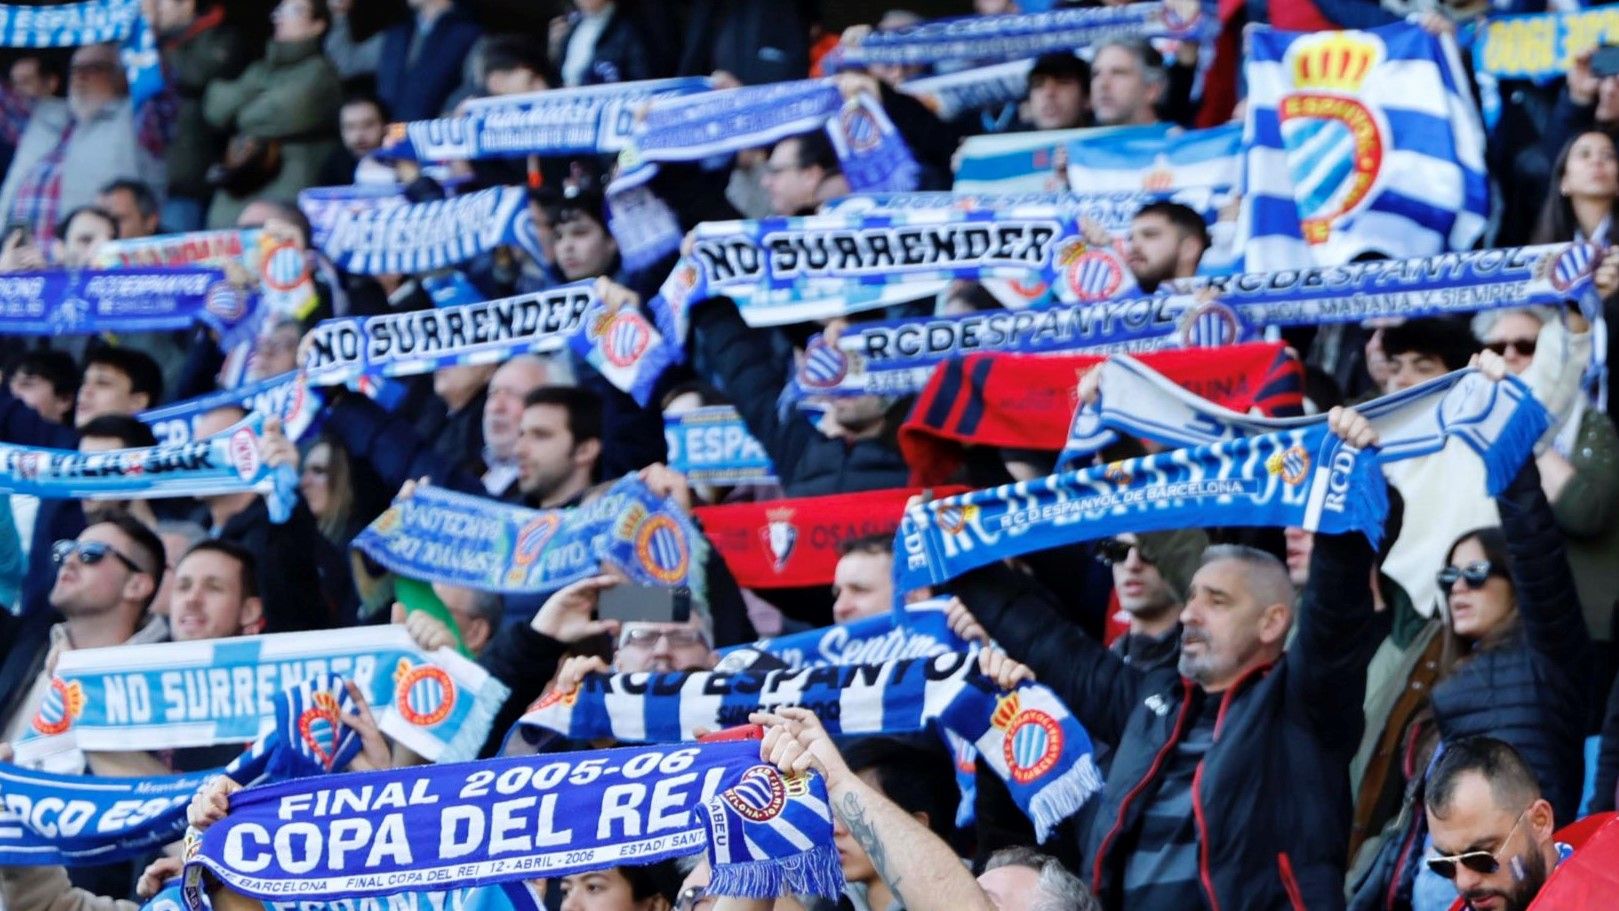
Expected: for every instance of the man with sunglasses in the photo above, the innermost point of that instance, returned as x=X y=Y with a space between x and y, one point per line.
x=104 y=582
x=1491 y=829
x=1151 y=572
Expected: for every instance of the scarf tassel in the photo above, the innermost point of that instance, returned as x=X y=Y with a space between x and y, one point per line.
x=1064 y=796
x=814 y=872
x=1514 y=444
x=470 y=736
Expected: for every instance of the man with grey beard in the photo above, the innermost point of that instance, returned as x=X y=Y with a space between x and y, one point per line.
x=72 y=148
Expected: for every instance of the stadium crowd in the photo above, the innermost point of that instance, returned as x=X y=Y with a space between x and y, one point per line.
x=1282 y=718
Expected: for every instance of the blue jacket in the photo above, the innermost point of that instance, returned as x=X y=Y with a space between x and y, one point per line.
x=418 y=92
x=1271 y=796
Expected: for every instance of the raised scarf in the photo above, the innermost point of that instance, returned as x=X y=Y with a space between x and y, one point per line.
x=504 y=820
x=1304 y=478
x=1539 y=46
x=91 y=301
x=286 y=281
x=438 y=535
x=67 y=25
x=712 y=445
x=422 y=237
x=794 y=542
x=289 y=397
x=920 y=631
x=1027 y=401
x=186 y=694
x=1148 y=158
x=1041 y=750
x=1499 y=421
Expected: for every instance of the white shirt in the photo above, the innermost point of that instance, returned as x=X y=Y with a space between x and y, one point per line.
x=582 y=46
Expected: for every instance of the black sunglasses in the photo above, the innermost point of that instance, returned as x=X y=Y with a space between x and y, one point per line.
x=1112 y=550
x=1474 y=574
x=1483 y=863
x=90 y=553
x=1525 y=347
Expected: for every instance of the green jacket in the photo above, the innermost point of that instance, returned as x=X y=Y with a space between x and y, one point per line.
x=207 y=52
x=1587 y=511
x=292 y=95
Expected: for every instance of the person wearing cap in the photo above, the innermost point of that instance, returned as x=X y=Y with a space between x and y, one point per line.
x=1059 y=93
x=1151 y=572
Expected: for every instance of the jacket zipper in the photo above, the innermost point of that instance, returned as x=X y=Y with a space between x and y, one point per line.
x=1152 y=771
x=1294 y=896
x=1205 y=874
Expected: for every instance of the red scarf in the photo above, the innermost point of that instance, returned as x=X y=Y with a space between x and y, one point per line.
x=1026 y=401
x=790 y=543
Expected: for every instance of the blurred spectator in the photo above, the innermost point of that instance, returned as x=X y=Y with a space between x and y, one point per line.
x=421 y=59
x=105 y=434
x=502 y=414
x=327 y=485
x=46 y=381
x=594 y=44
x=1059 y=93
x=81 y=234
x=1581 y=198
x=803 y=172
x=72 y=148
x=863 y=580
x=133 y=206
x=583 y=247
x=362 y=122
x=177 y=536
x=559 y=443
x=512 y=65
x=28 y=80
x=279 y=114
x=199 y=47
x=355 y=58
x=1127 y=83
x=117 y=381
x=1167 y=241
x=215 y=593
x=756 y=41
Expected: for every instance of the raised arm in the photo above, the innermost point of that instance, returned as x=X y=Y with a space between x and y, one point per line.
x=740 y=360
x=917 y=865
x=1548 y=602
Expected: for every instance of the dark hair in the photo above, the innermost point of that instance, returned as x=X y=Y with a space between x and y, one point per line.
x=584 y=409
x=586 y=203
x=662 y=878
x=145 y=200
x=243 y=557
x=55 y=367
x=1512 y=782
x=867 y=544
x=1493 y=541
x=289 y=212
x=976 y=296
x=917 y=774
x=1393 y=524
x=1557 y=223
x=513 y=52
x=131 y=432
x=97 y=211
x=815 y=150
x=370 y=98
x=1449 y=339
x=145 y=540
x=143 y=372
x=1061 y=65
x=706 y=394
x=320 y=12
x=1185 y=219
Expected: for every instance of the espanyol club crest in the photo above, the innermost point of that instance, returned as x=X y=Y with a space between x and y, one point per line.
x=1090 y=273
x=1031 y=741
x=760 y=796
x=1573 y=264
x=622 y=337
x=244 y=453
x=660 y=546
x=284 y=267
x=1209 y=325
x=424 y=694
x=860 y=127
x=225 y=302
x=779 y=535
x=63 y=704
x=529 y=543
x=952 y=520
x=1293 y=464
x=825 y=366
x=1181 y=16
x=1335 y=144
x=320 y=729
x=30 y=465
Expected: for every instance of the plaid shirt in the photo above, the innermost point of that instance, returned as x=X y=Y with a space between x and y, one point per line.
x=15 y=109
x=40 y=192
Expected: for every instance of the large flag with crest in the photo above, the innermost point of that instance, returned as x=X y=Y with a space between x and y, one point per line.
x=1358 y=142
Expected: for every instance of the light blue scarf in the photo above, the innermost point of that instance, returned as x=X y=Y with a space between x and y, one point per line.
x=420 y=237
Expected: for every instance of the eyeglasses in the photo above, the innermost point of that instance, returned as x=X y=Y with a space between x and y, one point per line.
x=1525 y=347
x=647 y=638
x=1481 y=862
x=690 y=897
x=90 y=553
x=1474 y=574
x=1112 y=550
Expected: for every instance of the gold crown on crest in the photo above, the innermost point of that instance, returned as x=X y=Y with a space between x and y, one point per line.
x=1006 y=710
x=1334 y=60
x=780 y=514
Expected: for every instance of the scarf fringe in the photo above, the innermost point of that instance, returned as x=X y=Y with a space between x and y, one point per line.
x=470 y=737
x=814 y=872
x=1515 y=444
x=1064 y=795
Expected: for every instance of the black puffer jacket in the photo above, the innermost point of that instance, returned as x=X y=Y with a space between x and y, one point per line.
x=1271 y=796
x=741 y=363
x=1530 y=690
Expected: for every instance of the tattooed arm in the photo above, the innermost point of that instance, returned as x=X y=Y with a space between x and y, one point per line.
x=916 y=865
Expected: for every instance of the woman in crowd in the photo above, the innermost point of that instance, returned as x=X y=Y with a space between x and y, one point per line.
x=649 y=888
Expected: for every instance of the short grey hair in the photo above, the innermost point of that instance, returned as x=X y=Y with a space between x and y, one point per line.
x=1057 y=889
x=1267 y=574
x=1147 y=56
x=1485 y=320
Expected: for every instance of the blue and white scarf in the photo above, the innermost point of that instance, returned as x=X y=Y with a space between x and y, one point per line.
x=89 y=301
x=443 y=536
x=1150 y=158
x=1306 y=478
x=770 y=834
x=712 y=445
x=185 y=694
x=874 y=156
x=1045 y=753
x=561 y=121
x=289 y=397
x=286 y=282
x=421 y=341
x=624 y=348
x=1113 y=211
x=1499 y=421
x=920 y=632
x=420 y=237
x=973 y=89
x=1023 y=35
x=228 y=462
x=512 y=896
x=484 y=823
x=325 y=207
x=313 y=740
x=67 y=25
